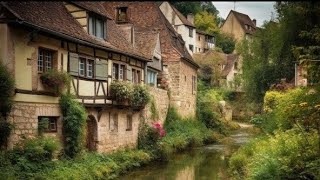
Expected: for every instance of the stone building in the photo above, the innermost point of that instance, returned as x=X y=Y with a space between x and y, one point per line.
x=179 y=69
x=239 y=25
x=80 y=38
x=204 y=41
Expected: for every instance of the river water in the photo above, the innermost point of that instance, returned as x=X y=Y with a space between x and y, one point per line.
x=207 y=162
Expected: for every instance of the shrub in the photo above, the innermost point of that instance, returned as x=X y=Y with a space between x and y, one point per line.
x=73 y=125
x=43 y=125
x=5 y=130
x=7 y=86
x=139 y=97
x=120 y=90
x=36 y=149
x=286 y=155
x=55 y=80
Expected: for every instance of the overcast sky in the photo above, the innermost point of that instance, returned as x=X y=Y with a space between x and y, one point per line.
x=258 y=10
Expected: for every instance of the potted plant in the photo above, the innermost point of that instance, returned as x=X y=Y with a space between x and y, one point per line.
x=140 y=97
x=120 y=91
x=55 y=81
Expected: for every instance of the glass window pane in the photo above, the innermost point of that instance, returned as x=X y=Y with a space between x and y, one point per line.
x=40 y=61
x=99 y=28
x=81 y=67
x=91 y=25
x=90 y=69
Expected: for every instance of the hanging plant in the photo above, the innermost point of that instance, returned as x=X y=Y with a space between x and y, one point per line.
x=55 y=81
x=120 y=91
x=140 y=96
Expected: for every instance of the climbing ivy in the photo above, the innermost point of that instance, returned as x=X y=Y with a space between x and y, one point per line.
x=73 y=125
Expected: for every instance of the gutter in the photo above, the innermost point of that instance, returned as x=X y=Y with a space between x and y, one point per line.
x=72 y=39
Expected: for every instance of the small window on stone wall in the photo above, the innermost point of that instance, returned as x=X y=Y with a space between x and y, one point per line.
x=47 y=123
x=113 y=122
x=129 y=122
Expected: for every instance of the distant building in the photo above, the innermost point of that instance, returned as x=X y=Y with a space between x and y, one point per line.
x=204 y=42
x=239 y=25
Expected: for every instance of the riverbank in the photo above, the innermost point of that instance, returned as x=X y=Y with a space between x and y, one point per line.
x=181 y=135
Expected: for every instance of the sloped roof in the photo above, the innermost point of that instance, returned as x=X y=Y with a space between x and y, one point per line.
x=146 y=41
x=243 y=19
x=94 y=6
x=147 y=16
x=54 y=16
x=183 y=19
x=202 y=32
x=231 y=59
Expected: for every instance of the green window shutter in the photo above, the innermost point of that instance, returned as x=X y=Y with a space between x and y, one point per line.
x=73 y=64
x=102 y=70
x=129 y=73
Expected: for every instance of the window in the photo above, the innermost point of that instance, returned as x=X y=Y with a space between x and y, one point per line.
x=96 y=27
x=194 y=85
x=45 y=58
x=51 y=122
x=191 y=47
x=86 y=67
x=151 y=78
x=113 y=122
x=118 y=71
x=129 y=122
x=199 y=38
x=136 y=76
x=122 y=14
x=190 y=32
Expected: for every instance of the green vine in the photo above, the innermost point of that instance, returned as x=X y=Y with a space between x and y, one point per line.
x=55 y=81
x=73 y=125
x=139 y=97
x=7 y=86
x=153 y=109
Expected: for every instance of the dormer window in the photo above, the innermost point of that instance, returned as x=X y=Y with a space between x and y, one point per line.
x=122 y=15
x=96 y=27
x=190 y=32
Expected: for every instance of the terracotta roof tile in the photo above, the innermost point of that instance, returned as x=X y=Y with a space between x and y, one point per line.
x=54 y=16
x=146 y=41
x=231 y=58
x=244 y=20
x=146 y=16
x=94 y=6
x=181 y=16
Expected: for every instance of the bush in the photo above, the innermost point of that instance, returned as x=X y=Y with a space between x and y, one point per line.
x=287 y=155
x=73 y=125
x=139 y=97
x=43 y=125
x=120 y=90
x=5 y=130
x=55 y=80
x=7 y=86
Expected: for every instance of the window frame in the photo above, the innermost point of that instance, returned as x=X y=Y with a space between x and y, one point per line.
x=44 y=61
x=114 y=117
x=85 y=67
x=136 y=76
x=94 y=25
x=190 y=32
x=116 y=74
x=118 y=9
x=154 y=77
x=129 y=122
x=55 y=122
x=191 y=47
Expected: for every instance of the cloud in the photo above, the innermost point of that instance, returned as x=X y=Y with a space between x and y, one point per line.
x=261 y=11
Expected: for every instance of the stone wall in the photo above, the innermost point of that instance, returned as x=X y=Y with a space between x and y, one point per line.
x=182 y=95
x=107 y=140
x=24 y=116
x=161 y=100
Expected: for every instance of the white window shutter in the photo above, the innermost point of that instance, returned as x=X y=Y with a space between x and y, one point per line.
x=73 y=64
x=101 y=70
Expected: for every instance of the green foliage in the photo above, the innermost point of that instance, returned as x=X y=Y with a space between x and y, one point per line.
x=42 y=125
x=153 y=109
x=287 y=155
x=148 y=140
x=226 y=42
x=206 y=21
x=90 y=166
x=140 y=96
x=73 y=125
x=186 y=7
x=7 y=86
x=120 y=90
x=5 y=130
x=55 y=80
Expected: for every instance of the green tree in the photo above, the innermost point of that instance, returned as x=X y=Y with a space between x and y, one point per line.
x=207 y=22
x=226 y=42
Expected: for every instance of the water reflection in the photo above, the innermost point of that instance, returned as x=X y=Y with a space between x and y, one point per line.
x=208 y=162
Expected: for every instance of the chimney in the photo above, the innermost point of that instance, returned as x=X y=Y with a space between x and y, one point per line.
x=254 y=22
x=190 y=18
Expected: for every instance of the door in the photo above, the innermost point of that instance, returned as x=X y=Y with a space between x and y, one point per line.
x=91 y=133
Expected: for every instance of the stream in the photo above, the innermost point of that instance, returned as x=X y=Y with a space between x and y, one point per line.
x=206 y=162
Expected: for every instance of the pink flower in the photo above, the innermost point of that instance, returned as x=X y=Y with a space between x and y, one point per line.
x=160 y=130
